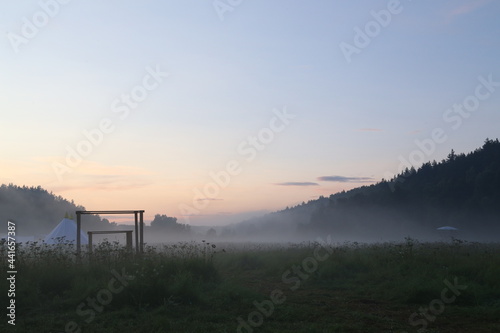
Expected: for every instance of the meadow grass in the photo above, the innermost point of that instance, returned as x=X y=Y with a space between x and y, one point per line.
x=204 y=287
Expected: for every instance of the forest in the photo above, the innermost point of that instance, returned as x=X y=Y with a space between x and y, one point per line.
x=462 y=190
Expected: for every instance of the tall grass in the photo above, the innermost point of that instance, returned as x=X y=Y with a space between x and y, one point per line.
x=212 y=286
x=414 y=272
x=54 y=274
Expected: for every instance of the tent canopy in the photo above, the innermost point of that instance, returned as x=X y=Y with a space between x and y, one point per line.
x=64 y=232
x=447 y=228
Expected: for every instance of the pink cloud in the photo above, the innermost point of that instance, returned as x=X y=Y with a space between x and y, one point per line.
x=370 y=130
x=467 y=7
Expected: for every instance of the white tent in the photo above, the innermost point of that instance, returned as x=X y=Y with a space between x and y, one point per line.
x=64 y=232
x=447 y=232
x=447 y=229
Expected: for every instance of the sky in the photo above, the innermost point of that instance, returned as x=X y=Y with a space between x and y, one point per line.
x=216 y=111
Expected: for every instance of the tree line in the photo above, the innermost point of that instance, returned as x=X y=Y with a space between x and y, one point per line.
x=37 y=211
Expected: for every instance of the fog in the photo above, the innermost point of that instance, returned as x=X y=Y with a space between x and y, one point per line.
x=291 y=226
x=413 y=204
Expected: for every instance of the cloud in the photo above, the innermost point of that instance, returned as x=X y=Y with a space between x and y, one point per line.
x=209 y=199
x=93 y=176
x=467 y=8
x=103 y=183
x=370 y=130
x=297 y=184
x=342 y=179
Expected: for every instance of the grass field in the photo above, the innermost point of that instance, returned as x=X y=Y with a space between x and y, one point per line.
x=310 y=287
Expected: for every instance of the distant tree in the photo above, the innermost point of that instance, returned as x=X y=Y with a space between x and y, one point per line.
x=163 y=221
x=452 y=155
x=211 y=233
x=166 y=223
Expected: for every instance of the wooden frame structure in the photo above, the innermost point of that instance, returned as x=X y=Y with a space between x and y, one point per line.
x=139 y=225
x=128 y=236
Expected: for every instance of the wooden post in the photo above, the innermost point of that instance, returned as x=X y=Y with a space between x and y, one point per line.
x=136 y=233
x=129 y=240
x=142 y=231
x=78 y=231
x=90 y=241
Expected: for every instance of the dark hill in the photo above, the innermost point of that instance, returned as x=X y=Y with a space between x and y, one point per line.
x=461 y=191
x=36 y=211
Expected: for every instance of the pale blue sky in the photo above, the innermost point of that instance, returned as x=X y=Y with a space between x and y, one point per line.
x=225 y=78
